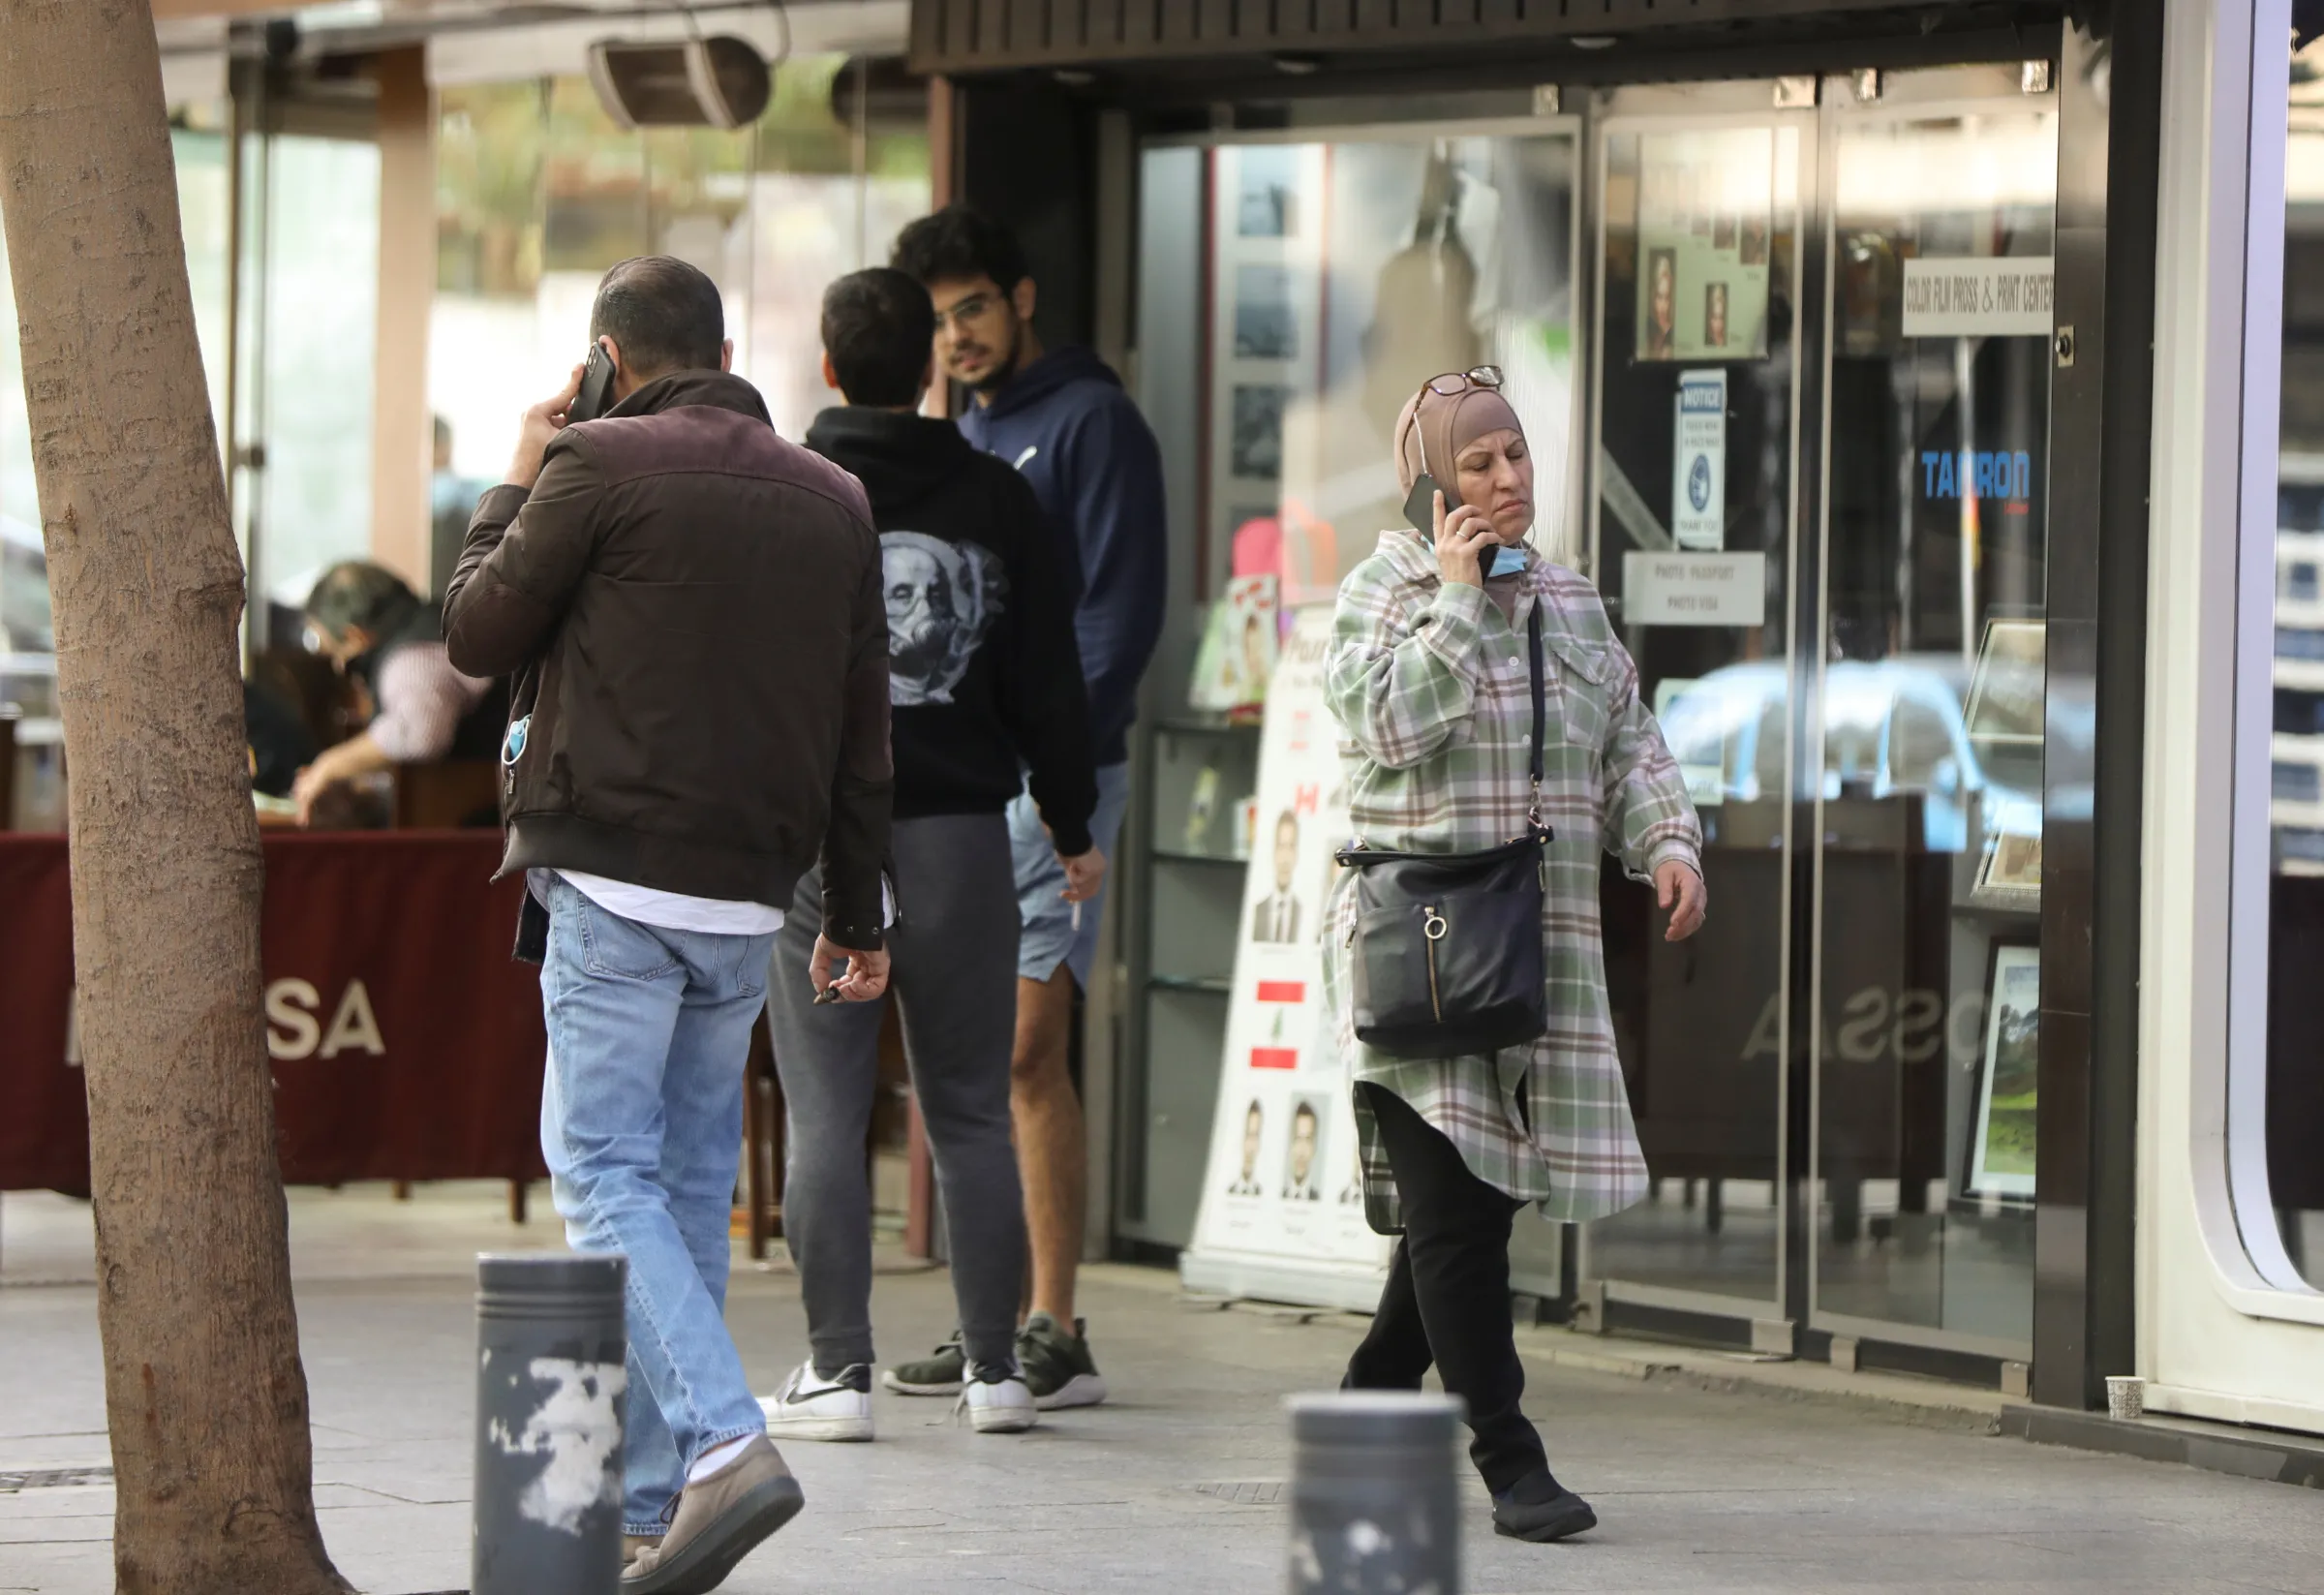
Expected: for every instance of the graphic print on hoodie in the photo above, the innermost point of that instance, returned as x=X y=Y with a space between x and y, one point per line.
x=984 y=680
x=942 y=598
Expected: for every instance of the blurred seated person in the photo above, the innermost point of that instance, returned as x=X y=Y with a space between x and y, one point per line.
x=386 y=639
x=279 y=743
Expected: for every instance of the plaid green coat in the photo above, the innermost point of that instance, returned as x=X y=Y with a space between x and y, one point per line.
x=1431 y=688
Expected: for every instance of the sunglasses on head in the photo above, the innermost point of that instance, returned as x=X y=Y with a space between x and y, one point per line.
x=1456 y=383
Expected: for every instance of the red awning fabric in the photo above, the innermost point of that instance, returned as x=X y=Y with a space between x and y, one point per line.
x=406 y=1045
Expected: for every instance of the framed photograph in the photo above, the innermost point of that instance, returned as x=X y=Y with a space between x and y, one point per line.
x=1723 y=231
x=1752 y=249
x=2010 y=874
x=1255 y=444
x=1267 y=324
x=1266 y=195
x=2005 y=695
x=1658 y=326
x=2001 y=1147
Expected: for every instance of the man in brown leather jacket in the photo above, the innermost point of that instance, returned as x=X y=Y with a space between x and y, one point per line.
x=691 y=608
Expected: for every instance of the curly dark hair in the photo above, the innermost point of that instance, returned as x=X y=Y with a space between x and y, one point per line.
x=960 y=242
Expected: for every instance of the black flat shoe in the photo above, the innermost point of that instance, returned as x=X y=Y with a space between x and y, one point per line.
x=1564 y=1513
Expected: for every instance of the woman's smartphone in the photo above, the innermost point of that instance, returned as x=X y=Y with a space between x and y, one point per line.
x=597 y=386
x=1420 y=506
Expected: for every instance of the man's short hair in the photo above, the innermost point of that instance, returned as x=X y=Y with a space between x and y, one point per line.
x=359 y=592
x=957 y=244
x=663 y=314
x=878 y=327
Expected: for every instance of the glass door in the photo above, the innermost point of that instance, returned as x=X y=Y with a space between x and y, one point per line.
x=1931 y=690
x=1819 y=496
x=1701 y=232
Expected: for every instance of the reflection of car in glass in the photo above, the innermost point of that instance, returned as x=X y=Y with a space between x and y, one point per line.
x=1890 y=727
x=2296 y=751
x=25 y=626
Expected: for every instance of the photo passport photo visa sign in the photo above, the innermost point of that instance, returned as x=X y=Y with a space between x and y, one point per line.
x=1980 y=296
x=1683 y=588
x=1698 y=455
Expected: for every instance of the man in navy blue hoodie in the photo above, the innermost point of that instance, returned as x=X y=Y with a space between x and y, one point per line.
x=1061 y=418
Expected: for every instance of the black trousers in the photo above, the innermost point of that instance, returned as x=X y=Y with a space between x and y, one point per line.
x=1447 y=1301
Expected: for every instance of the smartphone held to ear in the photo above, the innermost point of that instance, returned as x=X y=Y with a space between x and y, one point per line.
x=597 y=387
x=1420 y=506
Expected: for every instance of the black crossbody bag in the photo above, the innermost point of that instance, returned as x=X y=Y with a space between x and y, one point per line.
x=1448 y=946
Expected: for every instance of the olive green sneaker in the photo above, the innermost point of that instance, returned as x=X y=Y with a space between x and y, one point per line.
x=1057 y=1366
x=942 y=1374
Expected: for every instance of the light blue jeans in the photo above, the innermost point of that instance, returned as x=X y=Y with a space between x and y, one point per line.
x=641 y=1122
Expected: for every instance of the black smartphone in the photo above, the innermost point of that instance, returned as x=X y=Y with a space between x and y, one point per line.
x=597 y=386
x=1420 y=506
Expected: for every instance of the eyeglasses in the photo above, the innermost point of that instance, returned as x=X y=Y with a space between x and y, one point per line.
x=1455 y=383
x=967 y=310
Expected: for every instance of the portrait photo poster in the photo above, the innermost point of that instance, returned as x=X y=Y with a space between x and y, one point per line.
x=1282 y=1216
x=1706 y=203
x=1237 y=652
x=2001 y=1151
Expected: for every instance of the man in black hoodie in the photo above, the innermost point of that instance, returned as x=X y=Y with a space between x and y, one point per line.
x=984 y=683
x=1061 y=417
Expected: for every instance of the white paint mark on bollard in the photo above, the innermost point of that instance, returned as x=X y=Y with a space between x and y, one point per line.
x=551 y=1383
x=1374 y=1505
x=579 y=1430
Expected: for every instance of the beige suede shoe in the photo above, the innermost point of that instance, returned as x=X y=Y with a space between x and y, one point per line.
x=632 y=1544
x=719 y=1520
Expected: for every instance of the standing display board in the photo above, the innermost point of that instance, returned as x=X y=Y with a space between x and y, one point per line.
x=1282 y=1206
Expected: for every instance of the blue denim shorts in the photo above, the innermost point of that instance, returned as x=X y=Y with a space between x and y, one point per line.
x=1050 y=936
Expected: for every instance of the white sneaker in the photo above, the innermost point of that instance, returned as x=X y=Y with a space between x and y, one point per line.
x=811 y=1407
x=999 y=1406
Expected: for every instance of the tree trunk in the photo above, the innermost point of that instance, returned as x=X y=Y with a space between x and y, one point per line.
x=204 y=1392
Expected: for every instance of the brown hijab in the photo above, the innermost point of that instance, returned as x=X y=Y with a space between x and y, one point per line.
x=1437 y=428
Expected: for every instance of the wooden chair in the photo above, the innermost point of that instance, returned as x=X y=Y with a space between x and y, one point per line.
x=448 y=796
x=763 y=1132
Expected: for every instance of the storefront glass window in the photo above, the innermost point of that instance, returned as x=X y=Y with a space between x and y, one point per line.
x=27 y=640
x=2295 y=1029
x=1293 y=297
x=312 y=314
x=538 y=193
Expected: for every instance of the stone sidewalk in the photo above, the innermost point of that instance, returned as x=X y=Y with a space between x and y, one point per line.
x=1170 y=1487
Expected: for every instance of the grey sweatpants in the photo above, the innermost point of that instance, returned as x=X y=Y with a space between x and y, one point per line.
x=954 y=970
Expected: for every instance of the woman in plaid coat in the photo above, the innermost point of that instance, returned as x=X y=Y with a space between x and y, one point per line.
x=1428 y=680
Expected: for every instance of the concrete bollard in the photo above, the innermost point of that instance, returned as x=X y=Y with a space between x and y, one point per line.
x=1374 y=1506
x=550 y=1379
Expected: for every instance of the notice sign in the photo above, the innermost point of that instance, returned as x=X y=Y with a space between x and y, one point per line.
x=1982 y=296
x=1685 y=588
x=1698 y=472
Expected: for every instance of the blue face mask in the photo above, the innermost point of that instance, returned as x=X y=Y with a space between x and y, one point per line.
x=1507 y=562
